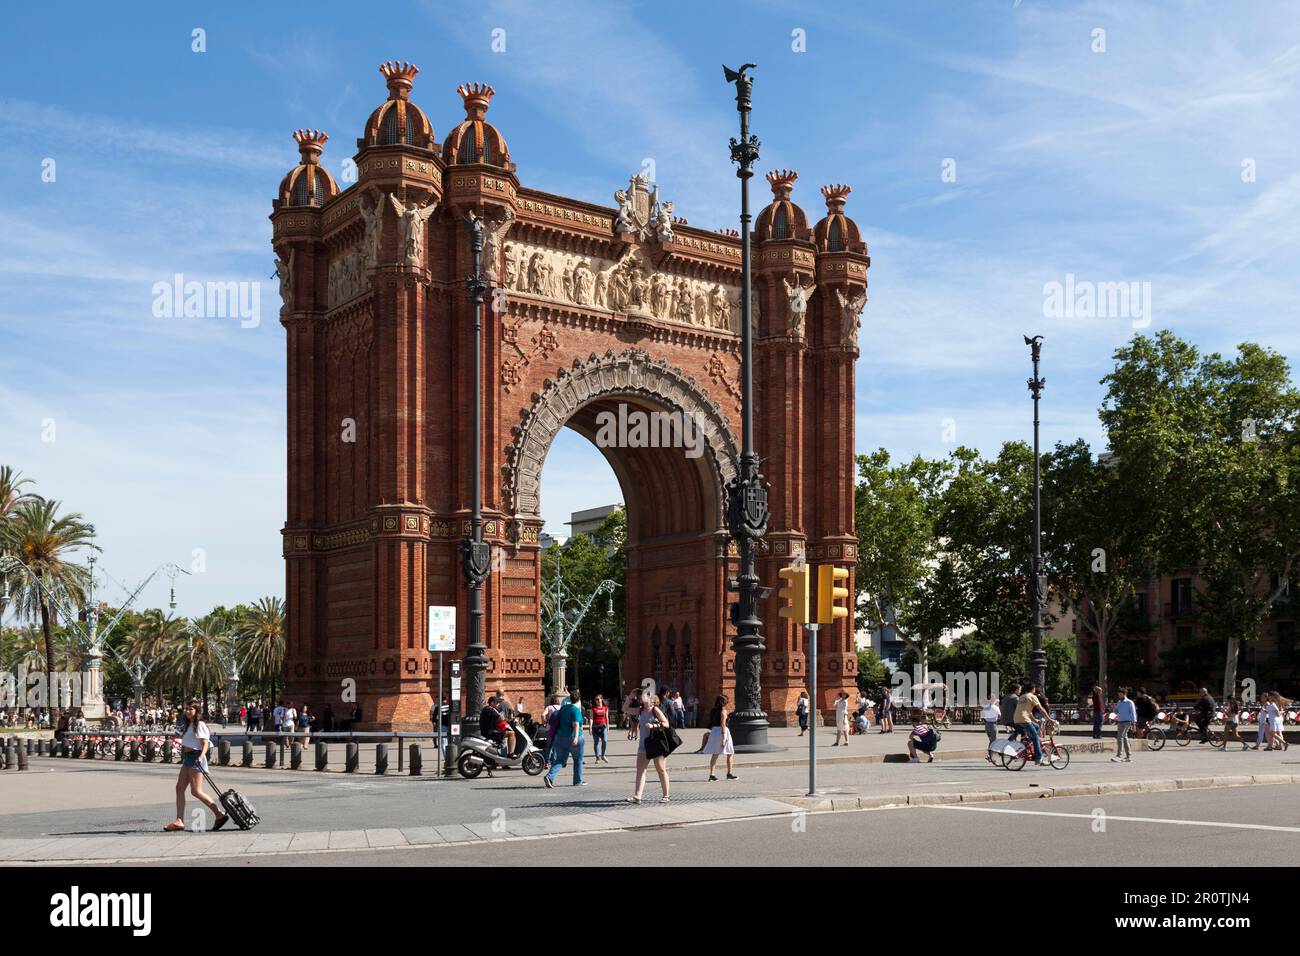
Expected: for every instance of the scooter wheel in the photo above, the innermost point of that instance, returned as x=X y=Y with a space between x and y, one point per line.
x=470 y=765
x=533 y=764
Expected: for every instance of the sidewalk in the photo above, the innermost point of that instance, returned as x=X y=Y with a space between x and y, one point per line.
x=95 y=811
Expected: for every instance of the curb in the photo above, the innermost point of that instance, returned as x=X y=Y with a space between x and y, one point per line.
x=895 y=801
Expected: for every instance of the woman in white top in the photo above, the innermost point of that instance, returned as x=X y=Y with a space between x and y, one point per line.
x=195 y=743
x=1276 y=740
x=644 y=707
x=842 y=719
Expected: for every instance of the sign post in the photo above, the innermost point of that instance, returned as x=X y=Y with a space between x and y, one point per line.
x=814 y=715
x=442 y=638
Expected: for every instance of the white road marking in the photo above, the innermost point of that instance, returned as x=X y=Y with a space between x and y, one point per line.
x=1111 y=816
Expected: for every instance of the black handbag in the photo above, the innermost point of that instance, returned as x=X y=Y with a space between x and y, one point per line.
x=662 y=742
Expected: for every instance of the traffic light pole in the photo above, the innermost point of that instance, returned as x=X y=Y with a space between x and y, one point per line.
x=814 y=716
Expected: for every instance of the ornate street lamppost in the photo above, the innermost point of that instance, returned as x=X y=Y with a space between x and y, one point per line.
x=1038 y=586
x=475 y=553
x=747 y=510
x=565 y=612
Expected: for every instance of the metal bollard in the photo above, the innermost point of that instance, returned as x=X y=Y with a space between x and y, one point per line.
x=31 y=745
x=295 y=756
x=322 y=755
x=246 y=758
x=148 y=751
x=91 y=750
x=417 y=761
x=75 y=752
x=133 y=751
x=381 y=759
x=270 y=756
x=119 y=751
x=351 y=758
x=22 y=759
x=223 y=752
x=10 y=757
x=166 y=751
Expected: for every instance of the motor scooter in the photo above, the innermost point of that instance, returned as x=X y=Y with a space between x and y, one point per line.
x=477 y=755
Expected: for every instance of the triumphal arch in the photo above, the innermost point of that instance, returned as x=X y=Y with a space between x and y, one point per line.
x=592 y=307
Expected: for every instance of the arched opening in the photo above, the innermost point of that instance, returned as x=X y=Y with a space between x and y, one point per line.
x=672 y=476
x=672 y=553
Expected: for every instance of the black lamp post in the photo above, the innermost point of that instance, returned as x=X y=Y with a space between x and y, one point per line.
x=747 y=510
x=475 y=553
x=1038 y=587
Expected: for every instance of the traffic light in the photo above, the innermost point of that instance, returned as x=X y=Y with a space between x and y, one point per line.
x=828 y=612
x=794 y=596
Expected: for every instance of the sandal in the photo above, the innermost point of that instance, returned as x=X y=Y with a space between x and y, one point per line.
x=174 y=827
x=633 y=799
x=663 y=799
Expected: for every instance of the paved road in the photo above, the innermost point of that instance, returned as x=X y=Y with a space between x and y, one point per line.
x=91 y=797
x=1235 y=828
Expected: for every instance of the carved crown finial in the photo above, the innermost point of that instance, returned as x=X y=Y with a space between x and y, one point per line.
x=310 y=142
x=836 y=194
x=400 y=76
x=782 y=182
x=477 y=96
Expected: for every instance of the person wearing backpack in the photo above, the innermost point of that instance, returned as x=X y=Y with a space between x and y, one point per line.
x=567 y=740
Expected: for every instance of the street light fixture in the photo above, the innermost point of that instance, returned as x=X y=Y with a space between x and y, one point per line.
x=1038 y=586
x=747 y=507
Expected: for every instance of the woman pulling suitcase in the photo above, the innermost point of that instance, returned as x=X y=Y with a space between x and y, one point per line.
x=195 y=743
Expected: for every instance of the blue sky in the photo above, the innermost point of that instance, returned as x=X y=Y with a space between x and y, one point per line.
x=1114 y=166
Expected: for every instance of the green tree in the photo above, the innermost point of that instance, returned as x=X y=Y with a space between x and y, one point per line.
x=905 y=578
x=12 y=494
x=582 y=563
x=1098 y=543
x=1214 y=442
x=261 y=634
x=872 y=672
x=46 y=542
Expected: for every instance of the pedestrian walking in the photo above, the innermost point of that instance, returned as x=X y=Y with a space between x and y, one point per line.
x=719 y=743
x=1125 y=718
x=644 y=708
x=1231 y=721
x=195 y=743
x=599 y=728
x=1098 y=710
x=304 y=723
x=841 y=718
x=1273 y=733
x=1204 y=713
x=991 y=714
x=568 y=741
x=801 y=711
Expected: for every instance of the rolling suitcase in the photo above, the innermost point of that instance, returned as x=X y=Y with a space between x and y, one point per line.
x=242 y=813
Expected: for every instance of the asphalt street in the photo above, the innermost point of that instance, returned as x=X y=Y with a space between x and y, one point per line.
x=1233 y=828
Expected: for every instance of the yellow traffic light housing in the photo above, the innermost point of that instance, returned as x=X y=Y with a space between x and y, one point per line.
x=794 y=596
x=828 y=611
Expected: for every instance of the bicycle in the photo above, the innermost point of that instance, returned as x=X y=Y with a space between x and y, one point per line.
x=1014 y=754
x=1154 y=736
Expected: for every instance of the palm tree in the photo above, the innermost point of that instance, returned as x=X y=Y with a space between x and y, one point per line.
x=153 y=638
x=11 y=494
x=44 y=542
x=211 y=646
x=261 y=628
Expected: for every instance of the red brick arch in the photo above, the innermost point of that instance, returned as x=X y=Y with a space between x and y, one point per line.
x=590 y=306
